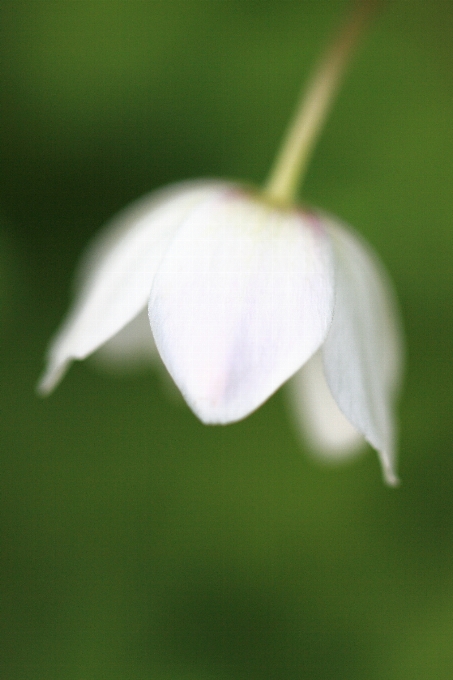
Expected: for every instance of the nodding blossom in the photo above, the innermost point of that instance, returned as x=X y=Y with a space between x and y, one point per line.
x=244 y=291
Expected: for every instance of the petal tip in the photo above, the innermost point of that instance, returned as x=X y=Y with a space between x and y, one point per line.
x=51 y=377
x=388 y=468
x=390 y=478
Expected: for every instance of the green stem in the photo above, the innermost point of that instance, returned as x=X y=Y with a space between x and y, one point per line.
x=311 y=113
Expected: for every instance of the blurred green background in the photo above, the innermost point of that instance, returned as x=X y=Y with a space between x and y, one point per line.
x=137 y=544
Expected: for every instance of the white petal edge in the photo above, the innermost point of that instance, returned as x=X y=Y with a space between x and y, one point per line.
x=117 y=272
x=330 y=435
x=362 y=353
x=242 y=298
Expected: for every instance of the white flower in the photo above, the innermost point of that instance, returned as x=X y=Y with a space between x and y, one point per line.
x=244 y=291
x=241 y=293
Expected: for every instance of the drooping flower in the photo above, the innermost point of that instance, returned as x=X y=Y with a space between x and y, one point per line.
x=244 y=290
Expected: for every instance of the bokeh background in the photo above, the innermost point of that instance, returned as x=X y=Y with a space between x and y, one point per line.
x=137 y=544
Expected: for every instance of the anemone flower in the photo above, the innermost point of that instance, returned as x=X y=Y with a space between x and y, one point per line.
x=245 y=290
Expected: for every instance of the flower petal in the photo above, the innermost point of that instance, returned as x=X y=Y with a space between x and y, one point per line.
x=117 y=273
x=329 y=433
x=242 y=298
x=362 y=352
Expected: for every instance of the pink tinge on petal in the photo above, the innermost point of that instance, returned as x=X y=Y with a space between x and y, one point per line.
x=241 y=300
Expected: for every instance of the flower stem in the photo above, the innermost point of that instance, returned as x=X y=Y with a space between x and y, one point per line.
x=295 y=152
